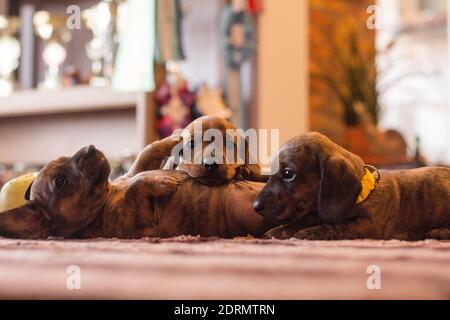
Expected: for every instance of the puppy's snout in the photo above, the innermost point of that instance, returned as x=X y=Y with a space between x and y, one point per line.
x=85 y=154
x=210 y=164
x=258 y=205
x=90 y=151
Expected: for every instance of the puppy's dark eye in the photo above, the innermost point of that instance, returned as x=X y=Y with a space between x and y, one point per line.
x=60 y=181
x=288 y=175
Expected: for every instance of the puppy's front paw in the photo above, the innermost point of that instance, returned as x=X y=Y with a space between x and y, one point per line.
x=281 y=232
x=316 y=233
x=439 y=234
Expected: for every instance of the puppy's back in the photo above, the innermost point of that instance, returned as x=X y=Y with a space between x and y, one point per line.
x=425 y=196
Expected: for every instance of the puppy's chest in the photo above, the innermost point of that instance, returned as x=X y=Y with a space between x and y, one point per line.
x=116 y=215
x=116 y=202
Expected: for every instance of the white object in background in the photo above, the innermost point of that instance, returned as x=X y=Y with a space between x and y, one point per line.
x=9 y=53
x=52 y=29
x=27 y=43
x=417 y=104
x=101 y=19
x=134 y=64
x=54 y=55
x=448 y=80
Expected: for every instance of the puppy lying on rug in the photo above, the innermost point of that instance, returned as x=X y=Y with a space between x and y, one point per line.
x=72 y=197
x=209 y=168
x=324 y=192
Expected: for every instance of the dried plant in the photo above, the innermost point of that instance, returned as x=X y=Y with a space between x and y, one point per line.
x=354 y=79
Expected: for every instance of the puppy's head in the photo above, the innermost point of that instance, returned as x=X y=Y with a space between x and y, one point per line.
x=211 y=151
x=71 y=191
x=315 y=176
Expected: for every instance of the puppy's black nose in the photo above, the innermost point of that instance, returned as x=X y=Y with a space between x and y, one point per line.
x=210 y=164
x=258 y=205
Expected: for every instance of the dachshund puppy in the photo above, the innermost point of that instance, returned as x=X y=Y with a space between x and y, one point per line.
x=72 y=198
x=324 y=192
x=208 y=150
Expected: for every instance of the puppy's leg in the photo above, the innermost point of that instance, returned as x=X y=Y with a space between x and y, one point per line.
x=153 y=184
x=289 y=231
x=323 y=232
x=357 y=229
x=439 y=234
x=251 y=172
x=24 y=223
x=281 y=232
x=152 y=157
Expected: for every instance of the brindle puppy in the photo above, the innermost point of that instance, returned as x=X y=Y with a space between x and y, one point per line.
x=317 y=186
x=206 y=167
x=72 y=197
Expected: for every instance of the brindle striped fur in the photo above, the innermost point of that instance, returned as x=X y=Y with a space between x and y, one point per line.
x=319 y=204
x=149 y=204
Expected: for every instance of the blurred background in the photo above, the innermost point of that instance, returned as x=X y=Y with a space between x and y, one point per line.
x=372 y=75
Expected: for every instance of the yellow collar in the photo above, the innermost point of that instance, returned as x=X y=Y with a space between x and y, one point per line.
x=368 y=185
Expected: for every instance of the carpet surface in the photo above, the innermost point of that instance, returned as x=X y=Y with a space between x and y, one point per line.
x=195 y=268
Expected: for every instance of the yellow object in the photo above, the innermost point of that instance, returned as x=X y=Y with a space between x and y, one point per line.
x=368 y=185
x=12 y=195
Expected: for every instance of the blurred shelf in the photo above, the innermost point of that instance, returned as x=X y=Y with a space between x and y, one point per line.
x=37 y=126
x=66 y=100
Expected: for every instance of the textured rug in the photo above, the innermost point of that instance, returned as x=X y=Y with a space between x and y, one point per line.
x=195 y=268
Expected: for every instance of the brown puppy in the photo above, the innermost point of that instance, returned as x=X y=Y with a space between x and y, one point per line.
x=208 y=150
x=72 y=197
x=207 y=161
x=323 y=192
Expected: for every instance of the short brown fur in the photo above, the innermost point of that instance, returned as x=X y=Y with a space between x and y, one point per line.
x=72 y=198
x=320 y=202
x=166 y=154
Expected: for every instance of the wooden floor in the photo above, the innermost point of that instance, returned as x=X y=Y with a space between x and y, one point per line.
x=194 y=268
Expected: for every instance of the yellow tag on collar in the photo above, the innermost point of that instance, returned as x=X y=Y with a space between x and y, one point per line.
x=367 y=184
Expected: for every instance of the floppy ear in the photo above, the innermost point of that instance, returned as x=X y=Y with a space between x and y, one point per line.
x=340 y=186
x=26 y=222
